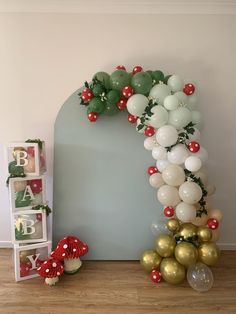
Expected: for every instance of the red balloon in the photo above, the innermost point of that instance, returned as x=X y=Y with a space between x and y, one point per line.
x=212 y=223
x=87 y=95
x=92 y=116
x=189 y=89
x=151 y=170
x=137 y=69
x=35 y=185
x=155 y=276
x=30 y=151
x=149 y=131
x=39 y=217
x=24 y=269
x=169 y=211
x=122 y=104
x=121 y=67
x=127 y=91
x=132 y=119
x=193 y=147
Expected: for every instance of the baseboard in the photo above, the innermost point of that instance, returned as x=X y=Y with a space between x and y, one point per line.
x=6 y=244
x=227 y=246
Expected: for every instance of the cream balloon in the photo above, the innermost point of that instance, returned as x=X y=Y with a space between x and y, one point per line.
x=210 y=189
x=190 y=192
x=171 y=102
x=159 y=92
x=192 y=101
x=178 y=154
x=150 y=143
x=215 y=235
x=162 y=164
x=159 y=118
x=182 y=97
x=215 y=213
x=179 y=117
x=193 y=163
x=202 y=175
x=136 y=104
x=166 y=135
x=159 y=152
x=156 y=180
x=185 y=212
x=168 y=195
x=200 y=221
x=173 y=175
x=176 y=83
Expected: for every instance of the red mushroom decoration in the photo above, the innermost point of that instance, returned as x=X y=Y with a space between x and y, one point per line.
x=69 y=250
x=51 y=270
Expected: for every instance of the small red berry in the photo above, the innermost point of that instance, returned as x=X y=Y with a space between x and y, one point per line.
x=122 y=104
x=92 y=116
x=151 y=170
x=189 y=89
x=149 y=131
x=87 y=95
x=127 y=91
x=137 y=69
x=193 y=147
x=169 y=211
x=212 y=223
x=155 y=276
x=121 y=67
x=132 y=119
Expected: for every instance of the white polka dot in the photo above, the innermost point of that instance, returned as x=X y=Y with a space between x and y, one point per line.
x=54 y=264
x=39 y=268
x=45 y=262
x=65 y=246
x=61 y=266
x=47 y=270
x=76 y=240
x=58 y=274
x=126 y=87
x=74 y=250
x=63 y=254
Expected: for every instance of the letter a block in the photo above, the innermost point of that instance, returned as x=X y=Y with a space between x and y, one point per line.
x=28 y=258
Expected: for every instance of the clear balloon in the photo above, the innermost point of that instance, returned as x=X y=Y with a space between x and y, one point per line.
x=162 y=164
x=168 y=195
x=179 y=117
x=200 y=277
x=150 y=143
x=171 y=102
x=178 y=154
x=190 y=192
x=196 y=118
x=159 y=92
x=159 y=227
x=156 y=180
x=176 y=83
x=193 y=163
x=136 y=104
x=192 y=101
x=185 y=212
x=159 y=152
x=159 y=118
x=173 y=175
x=166 y=135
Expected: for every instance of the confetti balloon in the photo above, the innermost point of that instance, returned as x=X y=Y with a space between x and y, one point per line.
x=200 y=277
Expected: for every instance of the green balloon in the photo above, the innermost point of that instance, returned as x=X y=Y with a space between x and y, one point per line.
x=20 y=201
x=119 y=79
x=14 y=169
x=104 y=78
x=158 y=76
x=96 y=105
x=20 y=236
x=98 y=89
x=142 y=83
x=111 y=109
x=113 y=96
x=166 y=78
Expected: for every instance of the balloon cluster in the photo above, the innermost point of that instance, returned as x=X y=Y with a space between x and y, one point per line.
x=164 y=109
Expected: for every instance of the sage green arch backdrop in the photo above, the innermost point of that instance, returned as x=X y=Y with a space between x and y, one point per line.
x=101 y=189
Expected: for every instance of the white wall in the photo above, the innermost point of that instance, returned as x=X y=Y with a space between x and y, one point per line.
x=46 y=56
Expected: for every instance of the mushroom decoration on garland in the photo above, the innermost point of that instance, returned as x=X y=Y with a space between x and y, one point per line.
x=51 y=270
x=69 y=250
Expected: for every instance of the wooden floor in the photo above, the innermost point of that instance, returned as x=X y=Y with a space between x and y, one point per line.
x=115 y=287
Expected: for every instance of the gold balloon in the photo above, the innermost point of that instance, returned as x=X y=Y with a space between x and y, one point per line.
x=17 y=149
x=20 y=185
x=30 y=167
x=173 y=225
x=150 y=260
x=204 y=234
x=186 y=254
x=209 y=253
x=187 y=230
x=165 y=245
x=172 y=271
x=25 y=253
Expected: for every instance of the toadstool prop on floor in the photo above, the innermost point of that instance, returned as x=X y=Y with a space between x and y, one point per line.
x=69 y=250
x=51 y=270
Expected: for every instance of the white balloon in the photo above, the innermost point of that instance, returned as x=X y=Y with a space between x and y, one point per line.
x=196 y=118
x=192 y=101
x=195 y=136
x=159 y=152
x=150 y=142
x=176 y=83
x=173 y=175
x=136 y=104
x=171 y=102
x=178 y=154
x=159 y=117
x=168 y=195
x=162 y=164
x=156 y=180
x=159 y=92
x=166 y=135
x=183 y=98
x=193 y=163
x=202 y=154
x=190 y=192
x=179 y=117
x=185 y=212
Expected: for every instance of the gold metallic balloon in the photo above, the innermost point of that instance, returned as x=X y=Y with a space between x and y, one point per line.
x=187 y=230
x=150 y=260
x=209 y=253
x=172 y=271
x=165 y=245
x=204 y=234
x=17 y=149
x=173 y=225
x=25 y=253
x=186 y=254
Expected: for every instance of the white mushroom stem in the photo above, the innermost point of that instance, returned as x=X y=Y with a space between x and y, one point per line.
x=71 y=265
x=51 y=281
